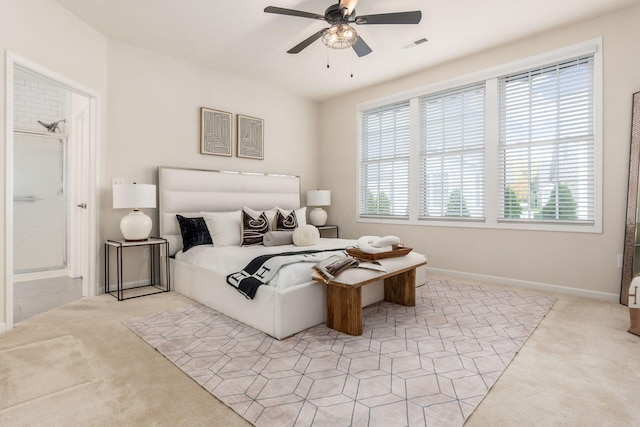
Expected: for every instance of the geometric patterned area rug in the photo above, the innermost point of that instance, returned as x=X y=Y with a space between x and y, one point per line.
x=431 y=364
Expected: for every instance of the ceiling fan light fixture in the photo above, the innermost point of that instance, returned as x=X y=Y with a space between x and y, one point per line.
x=339 y=36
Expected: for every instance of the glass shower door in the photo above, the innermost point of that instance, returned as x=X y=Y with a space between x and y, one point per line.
x=40 y=205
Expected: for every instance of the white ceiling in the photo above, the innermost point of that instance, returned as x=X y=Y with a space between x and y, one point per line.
x=236 y=37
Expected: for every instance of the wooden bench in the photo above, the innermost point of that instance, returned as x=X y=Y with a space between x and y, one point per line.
x=344 y=292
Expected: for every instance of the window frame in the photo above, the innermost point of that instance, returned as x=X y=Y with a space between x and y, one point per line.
x=490 y=77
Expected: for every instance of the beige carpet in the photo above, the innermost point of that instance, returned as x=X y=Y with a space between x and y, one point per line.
x=27 y=373
x=580 y=367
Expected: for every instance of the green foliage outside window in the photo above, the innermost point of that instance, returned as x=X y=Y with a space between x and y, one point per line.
x=457 y=205
x=378 y=205
x=561 y=204
x=512 y=205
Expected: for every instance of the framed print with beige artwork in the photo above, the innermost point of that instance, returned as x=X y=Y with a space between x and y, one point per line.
x=250 y=137
x=215 y=133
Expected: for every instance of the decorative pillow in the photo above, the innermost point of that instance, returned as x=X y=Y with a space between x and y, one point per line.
x=224 y=227
x=306 y=235
x=301 y=214
x=271 y=215
x=278 y=238
x=194 y=232
x=286 y=222
x=253 y=229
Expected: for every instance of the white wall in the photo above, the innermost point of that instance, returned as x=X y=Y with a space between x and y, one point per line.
x=154 y=120
x=45 y=33
x=577 y=260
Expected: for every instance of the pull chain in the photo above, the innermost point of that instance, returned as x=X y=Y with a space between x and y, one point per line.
x=329 y=62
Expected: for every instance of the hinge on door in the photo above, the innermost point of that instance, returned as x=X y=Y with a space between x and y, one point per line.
x=82 y=205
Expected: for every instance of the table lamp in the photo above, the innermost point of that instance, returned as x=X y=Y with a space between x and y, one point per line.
x=317 y=198
x=137 y=225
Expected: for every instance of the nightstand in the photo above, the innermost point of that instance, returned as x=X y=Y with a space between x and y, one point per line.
x=324 y=228
x=158 y=268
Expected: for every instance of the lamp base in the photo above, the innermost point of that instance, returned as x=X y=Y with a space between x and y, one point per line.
x=136 y=226
x=318 y=216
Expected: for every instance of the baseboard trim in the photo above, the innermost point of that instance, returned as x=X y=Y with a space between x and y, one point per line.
x=604 y=296
x=3 y=328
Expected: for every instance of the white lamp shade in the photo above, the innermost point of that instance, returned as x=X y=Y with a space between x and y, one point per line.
x=319 y=198
x=134 y=196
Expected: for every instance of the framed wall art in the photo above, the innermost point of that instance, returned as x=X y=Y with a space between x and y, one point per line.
x=215 y=133
x=250 y=137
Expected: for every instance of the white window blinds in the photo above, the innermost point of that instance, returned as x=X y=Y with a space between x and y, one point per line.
x=451 y=173
x=384 y=161
x=546 y=146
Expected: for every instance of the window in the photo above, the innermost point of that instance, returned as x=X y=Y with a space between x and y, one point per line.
x=384 y=169
x=452 y=154
x=517 y=147
x=546 y=143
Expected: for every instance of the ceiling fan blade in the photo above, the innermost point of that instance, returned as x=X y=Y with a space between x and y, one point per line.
x=413 y=17
x=361 y=48
x=291 y=12
x=306 y=42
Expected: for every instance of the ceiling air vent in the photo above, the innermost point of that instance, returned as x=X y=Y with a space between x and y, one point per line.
x=414 y=43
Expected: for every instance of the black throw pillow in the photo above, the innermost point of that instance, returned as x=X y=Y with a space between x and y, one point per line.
x=194 y=232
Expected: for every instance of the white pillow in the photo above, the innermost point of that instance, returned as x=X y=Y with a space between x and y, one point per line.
x=306 y=235
x=301 y=215
x=224 y=227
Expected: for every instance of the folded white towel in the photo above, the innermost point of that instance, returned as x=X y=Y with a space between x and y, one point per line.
x=375 y=244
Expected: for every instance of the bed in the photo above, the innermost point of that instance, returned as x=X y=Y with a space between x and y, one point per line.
x=280 y=310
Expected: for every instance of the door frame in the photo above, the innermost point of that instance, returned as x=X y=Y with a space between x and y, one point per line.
x=90 y=172
x=78 y=190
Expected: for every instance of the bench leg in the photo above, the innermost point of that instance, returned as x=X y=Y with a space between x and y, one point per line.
x=344 y=309
x=401 y=288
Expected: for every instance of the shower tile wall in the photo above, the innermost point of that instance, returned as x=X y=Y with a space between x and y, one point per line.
x=35 y=101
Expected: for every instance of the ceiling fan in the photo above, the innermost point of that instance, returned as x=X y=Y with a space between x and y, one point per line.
x=341 y=35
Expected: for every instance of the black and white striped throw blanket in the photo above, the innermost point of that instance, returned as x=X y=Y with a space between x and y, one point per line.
x=264 y=267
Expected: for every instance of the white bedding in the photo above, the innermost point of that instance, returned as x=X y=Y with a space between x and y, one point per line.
x=230 y=259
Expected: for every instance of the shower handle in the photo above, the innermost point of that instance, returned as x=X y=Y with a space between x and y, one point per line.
x=82 y=205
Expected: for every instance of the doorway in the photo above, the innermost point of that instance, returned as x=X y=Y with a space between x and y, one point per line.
x=51 y=175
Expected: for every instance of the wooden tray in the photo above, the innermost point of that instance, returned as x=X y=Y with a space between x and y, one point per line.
x=357 y=253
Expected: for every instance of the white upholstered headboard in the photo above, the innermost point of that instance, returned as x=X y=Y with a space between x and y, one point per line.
x=190 y=191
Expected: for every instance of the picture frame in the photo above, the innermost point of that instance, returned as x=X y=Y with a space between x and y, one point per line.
x=215 y=132
x=250 y=137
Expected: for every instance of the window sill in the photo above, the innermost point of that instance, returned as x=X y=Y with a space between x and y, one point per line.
x=532 y=226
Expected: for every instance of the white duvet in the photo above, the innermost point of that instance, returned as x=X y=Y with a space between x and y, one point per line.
x=230 y=259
